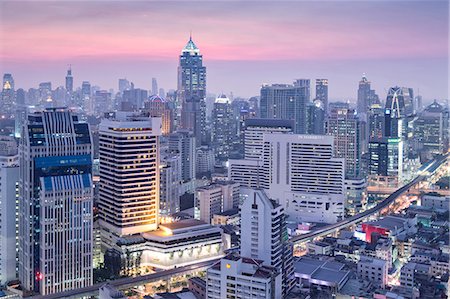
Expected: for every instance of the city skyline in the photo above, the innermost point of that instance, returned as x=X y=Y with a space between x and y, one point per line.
x=257 y=42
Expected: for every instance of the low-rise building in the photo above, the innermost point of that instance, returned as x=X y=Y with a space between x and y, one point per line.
x=239 y=277
x=373 y=269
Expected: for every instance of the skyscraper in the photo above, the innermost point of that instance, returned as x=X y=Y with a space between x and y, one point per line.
x=264 y=234
x=400 y=101
x=154 y=86
x=223 y=124
x=129 y=173
x=69 y=81
x=322 y=93
x=286 y=101
x=55 y=203
x=9 y=179
x=124 y=84
x=182 y=142
x=192 y=91
x=8 y=95
x=157 y=106
x=366 y=96
x=316 y=116
x=345 y=127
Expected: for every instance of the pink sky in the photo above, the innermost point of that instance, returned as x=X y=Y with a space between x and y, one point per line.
x=394 y=42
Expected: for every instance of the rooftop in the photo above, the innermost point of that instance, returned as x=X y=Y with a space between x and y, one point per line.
x=323 y=272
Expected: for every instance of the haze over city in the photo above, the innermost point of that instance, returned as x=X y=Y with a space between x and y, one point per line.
x=245 y=44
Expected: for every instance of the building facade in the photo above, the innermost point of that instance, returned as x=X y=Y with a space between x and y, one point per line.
x=56 y=202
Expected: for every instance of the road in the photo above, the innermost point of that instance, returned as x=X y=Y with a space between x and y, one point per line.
x=423 y=174
x=128 y=281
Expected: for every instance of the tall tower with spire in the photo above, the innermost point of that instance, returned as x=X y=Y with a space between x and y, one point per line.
x=192 y=91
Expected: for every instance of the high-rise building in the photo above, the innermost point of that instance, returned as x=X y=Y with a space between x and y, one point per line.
x=366 y=96
x=300 y=172
x=375 y=122
x=129 y=173
x=254 y=134
x=242 y=277
x=386 y=159
x=192 y=91
x=154 y=86
x=264 y=234
x=69 y=81
x=86 y=97
x=400 y=101
x=102 y=102
x=182 y=142
x=205 y=160
x=431 y=129
x=55 y=203
x=285 y=101
x=216 y=198
x=124 y=84
x=157 y=106
x=170 y=184
x=222 y=133
x=344 y=125
x=20 y=113
x=133 y=99
x=9 y=179
x=315 y=118
x=8 y=95
x=322 y=93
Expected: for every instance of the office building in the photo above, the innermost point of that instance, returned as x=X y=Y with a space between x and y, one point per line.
x=431 y=129
x=192 y=91
x=205 y=160
x=345 y=127
x=133 y=99
x=256 y=128
x=400 y=101
x=322 y=93
x=222 y=133
x=69 y=81
x=355 y=195
x=286 y=101
x=102 y=102
x=8 y=95
x=216 y=198
x=386 y=159
x=375 y=122
x=263 y=227
x=182 y=142
x=9 y=179
x=129 y=173
x=157 y=106
x=154 y=87
x=170 y=184
x=315 y=116
x=124 y=84
x=366 y=96
x=241 y=277
x=55 y=203
x=300 y=172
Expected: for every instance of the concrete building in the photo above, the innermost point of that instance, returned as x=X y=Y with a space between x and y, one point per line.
x=244 y=278
x=222 y=129
x=263 y=227
x=300 y=172
x=157 y=106
x=56 y=182
x=183 y=143
x=129 y=174
x=216 y=198
x=170 y=184
x=322 y=93
x=107 y=291
x=286 y=101
x=205 y=160
x=435 y=201
x=355 y=196
x=374 y=270
x=344 y=125
x=254 y=133
x=9 y=205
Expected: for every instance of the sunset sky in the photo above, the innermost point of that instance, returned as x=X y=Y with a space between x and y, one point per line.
x=244 y=44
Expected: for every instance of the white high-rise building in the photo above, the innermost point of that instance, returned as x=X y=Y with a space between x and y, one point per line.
x=170 y=187
x=240 y=277
x=299 y=172
x=129 y=174
x=255 y=130
x=9 y=178
x=263 y=227
x=55 y=203
x=216 y=198
x=183 y=143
